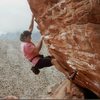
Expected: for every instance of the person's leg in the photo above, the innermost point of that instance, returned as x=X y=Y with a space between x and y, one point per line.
x=44 y=62
x=35 y=70
x=49 y=57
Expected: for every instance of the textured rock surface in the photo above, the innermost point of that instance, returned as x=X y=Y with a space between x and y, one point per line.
x=72 y=34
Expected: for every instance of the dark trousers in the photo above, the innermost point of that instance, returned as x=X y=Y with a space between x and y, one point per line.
x=42 y=63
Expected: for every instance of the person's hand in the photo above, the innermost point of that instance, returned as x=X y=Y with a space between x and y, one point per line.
x=42 y=37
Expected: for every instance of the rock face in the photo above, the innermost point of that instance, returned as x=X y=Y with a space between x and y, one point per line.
x=72 y=34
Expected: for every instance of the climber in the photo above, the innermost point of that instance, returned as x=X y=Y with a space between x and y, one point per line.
x=31 y=51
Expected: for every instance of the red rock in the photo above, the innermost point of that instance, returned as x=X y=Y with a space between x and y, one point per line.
x=79 y=48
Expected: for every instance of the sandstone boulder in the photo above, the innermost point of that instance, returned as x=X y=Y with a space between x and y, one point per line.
x=72 y=35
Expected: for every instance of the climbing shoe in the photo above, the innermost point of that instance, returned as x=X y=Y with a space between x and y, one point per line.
x=35 y=70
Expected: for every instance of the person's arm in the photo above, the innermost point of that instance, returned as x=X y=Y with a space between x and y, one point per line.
x=31 y=25
x=39 y=45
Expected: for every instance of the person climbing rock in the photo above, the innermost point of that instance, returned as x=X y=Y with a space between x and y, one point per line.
x=31 y=51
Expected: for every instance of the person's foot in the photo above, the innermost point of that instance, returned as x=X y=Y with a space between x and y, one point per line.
x=35 y=70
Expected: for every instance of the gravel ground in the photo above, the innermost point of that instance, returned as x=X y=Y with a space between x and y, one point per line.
x=16 y=77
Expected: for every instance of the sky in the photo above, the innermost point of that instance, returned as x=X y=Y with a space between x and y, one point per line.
x=15 y=16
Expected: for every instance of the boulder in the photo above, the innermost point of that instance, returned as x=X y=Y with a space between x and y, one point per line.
x=72 y=35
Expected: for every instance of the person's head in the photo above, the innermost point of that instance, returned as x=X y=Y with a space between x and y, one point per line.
x=25 y=36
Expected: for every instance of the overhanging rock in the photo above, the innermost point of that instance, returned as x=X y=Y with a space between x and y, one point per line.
x=72 y=34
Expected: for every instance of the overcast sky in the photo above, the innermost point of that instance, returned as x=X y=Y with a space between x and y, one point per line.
x=15 y=16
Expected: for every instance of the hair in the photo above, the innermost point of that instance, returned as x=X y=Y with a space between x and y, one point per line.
x=24 y=35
